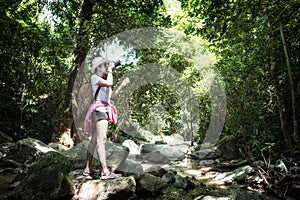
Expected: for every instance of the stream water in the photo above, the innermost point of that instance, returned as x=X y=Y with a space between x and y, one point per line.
x=205 y=175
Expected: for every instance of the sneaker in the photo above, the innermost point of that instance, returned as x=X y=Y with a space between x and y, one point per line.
x=84 y=173
x=110 y=175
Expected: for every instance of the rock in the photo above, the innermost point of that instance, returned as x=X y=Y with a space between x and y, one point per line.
x=77 y=155
x=156 y=157
x=149 y=185
x=156 y=170
x=183 y=182
x=130 y=167
x=115 y=154
x=240 y=174
x=133 y=129
x=134 y=150
x=148 y=148
x=46 y=178
x=27 y=150
x=228 y=148
x=48 y=159
x=5 y=138
x=173 y=153
x=230 y=195
x=295 y=170
x=5 y=148
x=207 y=163
x=120 y=188
x=204 y=154
x=169 y=177
x=174 y=139
x=58 y=147
x=132 y=146
x=53 y=159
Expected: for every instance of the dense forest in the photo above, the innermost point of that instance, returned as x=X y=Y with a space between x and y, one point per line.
x=229 y=68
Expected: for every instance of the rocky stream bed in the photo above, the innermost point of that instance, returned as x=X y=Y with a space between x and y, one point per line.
x=30 y=169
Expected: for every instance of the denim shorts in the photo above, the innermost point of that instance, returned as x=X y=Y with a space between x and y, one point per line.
x=97 y=115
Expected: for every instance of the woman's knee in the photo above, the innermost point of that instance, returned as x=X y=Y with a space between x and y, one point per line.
x=102 y=138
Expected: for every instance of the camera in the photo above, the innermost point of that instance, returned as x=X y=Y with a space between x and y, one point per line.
x=117 y=64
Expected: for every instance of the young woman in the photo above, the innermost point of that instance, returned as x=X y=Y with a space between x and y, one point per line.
x=101 y=112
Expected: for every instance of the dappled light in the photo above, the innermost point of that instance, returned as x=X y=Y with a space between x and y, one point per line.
x=195 y=99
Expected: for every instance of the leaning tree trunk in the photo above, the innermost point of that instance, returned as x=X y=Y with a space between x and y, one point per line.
x=80 y=53
x=275 y=81
x=292 y=85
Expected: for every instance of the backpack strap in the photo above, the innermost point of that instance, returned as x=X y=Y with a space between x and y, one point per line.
x=97 y=91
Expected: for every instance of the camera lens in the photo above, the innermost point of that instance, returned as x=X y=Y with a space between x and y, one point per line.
x=117 y=63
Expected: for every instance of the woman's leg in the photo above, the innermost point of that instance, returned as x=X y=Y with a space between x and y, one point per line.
x=101 y=132
x=90 y=153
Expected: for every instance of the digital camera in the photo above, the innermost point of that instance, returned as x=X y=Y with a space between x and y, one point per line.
x=117 y=64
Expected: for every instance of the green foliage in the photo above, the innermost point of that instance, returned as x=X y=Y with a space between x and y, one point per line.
x=33 y=72
x=37 y=49
x=156 y=108
x=238 y=33
x=37 y=44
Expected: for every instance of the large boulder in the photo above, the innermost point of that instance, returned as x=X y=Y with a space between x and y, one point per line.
x=171 y=152
x=155 y=158
x=130 y=167
x=204 y=154
x=27 y=150
x=115 y=155
x=228 y=148
x=183 y=182
x=58 y=147
x=149 y=185
x=46 y=178
x=120 y=188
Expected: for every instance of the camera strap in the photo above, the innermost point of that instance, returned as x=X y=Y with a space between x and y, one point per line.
x=97 y=91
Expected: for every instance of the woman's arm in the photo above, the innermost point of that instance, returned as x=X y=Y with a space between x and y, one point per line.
x=109 y=79
x=116 y=92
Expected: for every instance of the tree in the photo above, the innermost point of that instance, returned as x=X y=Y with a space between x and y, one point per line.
x=32 y=71
x=93 y=17
x=245 y=36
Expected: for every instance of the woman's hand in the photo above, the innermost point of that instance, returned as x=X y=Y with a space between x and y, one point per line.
x=110 y=67
x=115 y=93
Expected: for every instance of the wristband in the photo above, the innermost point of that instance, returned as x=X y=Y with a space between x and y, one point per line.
x=109 y=71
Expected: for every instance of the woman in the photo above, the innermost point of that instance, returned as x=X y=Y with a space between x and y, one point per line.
x=101 y=112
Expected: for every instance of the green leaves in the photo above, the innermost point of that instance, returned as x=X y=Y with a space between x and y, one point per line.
x=238 y=33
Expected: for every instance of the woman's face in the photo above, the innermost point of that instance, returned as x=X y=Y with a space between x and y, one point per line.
x=102 y=69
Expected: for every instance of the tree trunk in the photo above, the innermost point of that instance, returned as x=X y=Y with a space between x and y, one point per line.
x=280 y=101
x=80 y=53
x=292 y=85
